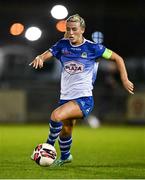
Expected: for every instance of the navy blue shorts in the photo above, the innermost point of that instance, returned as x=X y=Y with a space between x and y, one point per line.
x=86 y=104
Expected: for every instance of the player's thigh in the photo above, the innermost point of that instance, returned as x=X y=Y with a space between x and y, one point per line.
x=69 y=110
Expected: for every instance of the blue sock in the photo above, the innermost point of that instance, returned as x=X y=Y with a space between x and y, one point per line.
x=55 y=128
x=65 y=145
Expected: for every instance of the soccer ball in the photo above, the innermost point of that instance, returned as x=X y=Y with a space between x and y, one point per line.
x=44 y=154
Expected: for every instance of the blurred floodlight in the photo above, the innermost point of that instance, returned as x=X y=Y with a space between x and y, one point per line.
x=16 y=29
x=61 y=26
x=33 y=33
x=98 y=37
x=59 y=12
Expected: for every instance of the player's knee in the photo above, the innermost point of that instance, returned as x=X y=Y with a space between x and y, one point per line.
x=56 y=116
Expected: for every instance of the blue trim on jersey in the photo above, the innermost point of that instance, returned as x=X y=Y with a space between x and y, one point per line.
x=63 y=50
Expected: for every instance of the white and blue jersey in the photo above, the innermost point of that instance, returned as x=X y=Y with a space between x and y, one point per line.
x=79 y=67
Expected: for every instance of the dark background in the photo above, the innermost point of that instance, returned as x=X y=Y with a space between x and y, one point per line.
x=122 y=22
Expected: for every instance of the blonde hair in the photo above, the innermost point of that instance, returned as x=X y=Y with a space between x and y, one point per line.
x=65 y=35
x=77 y=18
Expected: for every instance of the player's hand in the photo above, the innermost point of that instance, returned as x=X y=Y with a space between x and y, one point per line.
x=37 y=62
x=129 y=86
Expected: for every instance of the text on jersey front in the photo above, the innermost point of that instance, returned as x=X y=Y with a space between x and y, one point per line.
x=73 y=67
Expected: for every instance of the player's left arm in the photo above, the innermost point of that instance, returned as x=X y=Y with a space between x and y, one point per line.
x=128 y=85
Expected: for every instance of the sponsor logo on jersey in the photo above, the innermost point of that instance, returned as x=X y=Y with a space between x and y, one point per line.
x=65 y=52
x=75 y=49
x=73 y=67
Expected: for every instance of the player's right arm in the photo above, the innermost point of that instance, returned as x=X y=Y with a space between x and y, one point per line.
x=40 y=59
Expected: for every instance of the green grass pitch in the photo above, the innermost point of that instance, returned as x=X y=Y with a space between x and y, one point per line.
x=109 y=152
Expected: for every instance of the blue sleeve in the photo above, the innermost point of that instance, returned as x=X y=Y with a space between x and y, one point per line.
x=99 y=50
x=56 y=49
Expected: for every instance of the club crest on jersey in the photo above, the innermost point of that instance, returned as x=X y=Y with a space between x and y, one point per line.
x=73 y=67
x=84 y=55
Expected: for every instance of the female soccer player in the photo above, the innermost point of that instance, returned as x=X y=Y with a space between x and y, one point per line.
x=77 y=56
